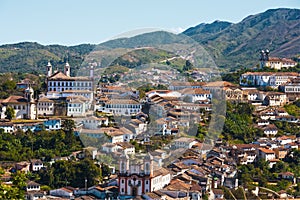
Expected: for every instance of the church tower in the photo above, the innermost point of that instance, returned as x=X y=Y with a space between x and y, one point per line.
x=31 y=107
x=148 y=164
x=67 y=69
x=49 y=69
x=124 y=163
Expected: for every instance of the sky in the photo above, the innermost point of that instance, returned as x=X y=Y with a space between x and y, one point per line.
x=72 y=22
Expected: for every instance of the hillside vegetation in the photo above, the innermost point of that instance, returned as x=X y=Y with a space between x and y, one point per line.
x=231 y=45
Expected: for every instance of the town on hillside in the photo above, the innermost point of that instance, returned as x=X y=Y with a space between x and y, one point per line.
x=97 y=137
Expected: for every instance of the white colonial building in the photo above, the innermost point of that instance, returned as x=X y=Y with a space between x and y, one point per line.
x=45 y=106
x=76 y=106
x=272 y=79
x=125 y=107
x=196 y=95
x=280 y=63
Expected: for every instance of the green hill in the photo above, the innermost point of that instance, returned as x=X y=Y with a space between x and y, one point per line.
x=230 y=45
x=32 y=57
x=239 y=44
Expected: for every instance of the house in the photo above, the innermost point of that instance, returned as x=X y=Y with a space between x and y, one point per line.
x=270 y=130
x=76 y=107
x=45 y=106
x=125 y=107
x=67 y=192
x=234 y=94
x=137 y=126
x=52 y=124
x=184 y=142
x=279 y=63
x=286 y=139
x=195 y=95
x=32 y=186
x=92 y=151
x=33 y=191
x=287 y=118
x=275 y=99
x=94 y=122
x=280 y=152
x=217 y=194
x=23 y=166
x=266 y=154
x=176 y=85
x=8 y=127
x=126 y=147
x=116 y=134
x=109 y=147
x=244 y=153
x=292 y=89
x=286 y=175
x=36 y=164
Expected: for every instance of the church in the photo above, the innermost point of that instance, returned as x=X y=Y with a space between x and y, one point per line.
x=137 y=176
x=62 y=84
x=24 y=106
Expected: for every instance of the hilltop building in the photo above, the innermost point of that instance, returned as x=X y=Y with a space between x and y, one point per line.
x=275 y=62
x=61 y=84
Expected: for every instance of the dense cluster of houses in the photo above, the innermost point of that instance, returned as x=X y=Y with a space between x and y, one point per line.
x=115 y=116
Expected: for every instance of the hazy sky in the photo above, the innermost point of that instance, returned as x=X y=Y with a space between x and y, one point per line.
x=71 y=22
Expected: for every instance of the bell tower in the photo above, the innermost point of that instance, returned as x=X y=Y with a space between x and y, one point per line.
x=124 y=163
x=67 y=69
x=49 y=69
x=30 y=108
x=148 y=164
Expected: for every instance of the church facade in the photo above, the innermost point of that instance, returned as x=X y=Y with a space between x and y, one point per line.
x=61 y=84
x=137 y=176
x=24 y=106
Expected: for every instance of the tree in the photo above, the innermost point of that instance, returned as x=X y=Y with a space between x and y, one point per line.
x=14 y=191
x=10 y=113
x=68 y=125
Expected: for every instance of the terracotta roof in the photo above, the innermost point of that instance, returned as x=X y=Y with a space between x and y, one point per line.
x=122 y=101
x=161 y=172
x=194 y=91
x=218 y=191
x=276 y=59
x=271 y=73
x=45 y=99
x=267 y=151
x=61 y=76
x=178 y=185
x=218 y=84
x=15 y=99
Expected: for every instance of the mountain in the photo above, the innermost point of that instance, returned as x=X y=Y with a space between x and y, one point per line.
x=32 y=57
x=230 y=45
x=204 y=31
x=143 y=40
x=237 y=44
